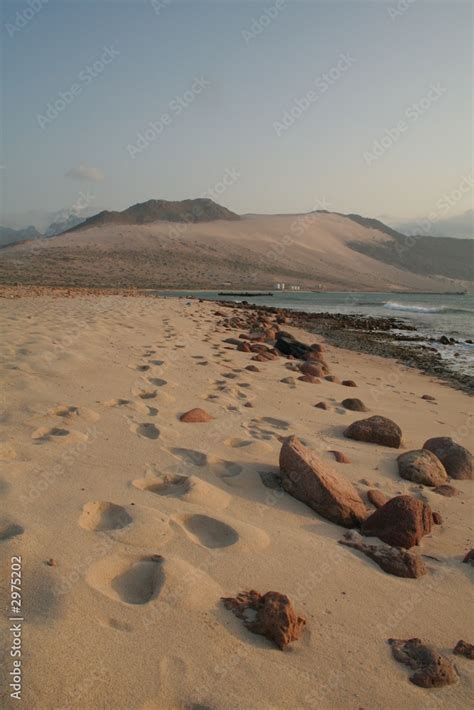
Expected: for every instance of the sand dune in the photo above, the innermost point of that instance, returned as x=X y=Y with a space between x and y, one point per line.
x=312 y=250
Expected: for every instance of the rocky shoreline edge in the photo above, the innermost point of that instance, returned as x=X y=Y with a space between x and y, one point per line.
x=372 y=335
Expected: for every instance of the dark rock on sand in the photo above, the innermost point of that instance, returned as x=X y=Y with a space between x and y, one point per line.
x=421 y=466
x=314 y=369
x=288 y=381
x=196 y=416
x=429 y=398
x=349 y=383
x=312 y=481
x=252 y=368
x=463 y=648
x=469 y=557
x=310 y=378
x=275 y=616
x=437 y=518
x=332 y=378
x=377 y=498
x=432 y=670
x=400 y=563
x=355 y=405
x=457 y=460
x=376 y=430
x=321 y=405
x=401 y=522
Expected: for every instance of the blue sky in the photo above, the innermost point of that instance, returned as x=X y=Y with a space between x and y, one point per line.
x=377 y=101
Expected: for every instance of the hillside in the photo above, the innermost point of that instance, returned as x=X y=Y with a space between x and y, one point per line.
x=315 y=251
x=192 y=211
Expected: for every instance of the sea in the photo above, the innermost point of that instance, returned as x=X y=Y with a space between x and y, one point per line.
x=433 y=315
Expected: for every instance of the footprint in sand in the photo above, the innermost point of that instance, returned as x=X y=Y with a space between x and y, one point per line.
x=146 y=430
x=8 y=529
x=101 y=515
x=222 y=468
x=190 y=456
x=168 y=485
x=236 y=443
x=209 y=532
x=116 y=402
x=144 y=392
x=70 y=411
x=128 y=580
x=190 y=489
x=46 y=433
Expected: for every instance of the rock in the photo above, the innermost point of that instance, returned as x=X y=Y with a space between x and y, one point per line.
x=446 y=490
x=355 y=405
x=316 y=348
x=457 y=460
x=377 y=498
x=288 y=381
x=432 y=669
x=248 y=404
x=310 y=378
x=196 y=416
x=244 y=347
x=421 y=466
x=312 y=481
x=340 y=457
x=429 y=398
x=332 y=378
x=288 y=345
x=437 y=518
x=400 y=563
x=349 y=383
x=463 y=648
x=321 y=405
x=313 y=369
x=252 y=368
x=401 y=522
x=314 y=356
x=444 y=340
x=469 y=557
x=376 y=430
x=9 y=529
x=275 y=618
x=232 y=341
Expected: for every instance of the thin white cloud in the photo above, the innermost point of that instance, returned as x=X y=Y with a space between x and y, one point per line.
x=86 y=174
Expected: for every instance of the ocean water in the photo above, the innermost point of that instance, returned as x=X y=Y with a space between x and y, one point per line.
x=433 y=315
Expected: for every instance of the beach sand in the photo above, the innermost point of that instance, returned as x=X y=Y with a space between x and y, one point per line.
x=130 y=616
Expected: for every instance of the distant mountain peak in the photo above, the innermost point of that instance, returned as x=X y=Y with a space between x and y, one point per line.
x=201 y=209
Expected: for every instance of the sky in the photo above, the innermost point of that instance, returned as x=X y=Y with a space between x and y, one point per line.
x=269 y=107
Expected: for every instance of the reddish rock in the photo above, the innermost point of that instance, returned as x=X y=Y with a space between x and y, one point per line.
x=446 y=490
x=354 y=405
x=313 y=369
x=244 y=347
x=275 y=616
x=321 y=405
x=196 y=416
x=316 y=348
x=457 y=460
x=376 y=430
x=421 y=466
x=463 y=648
x=401 y=522
x=312 y=481
x=432 y=670
x=400 y=563
x=314 y=356
x=437 y=519
x=252 y=368
x=340 y=457
x=429 y=398
x=349 y=383
x=248 y=404
x=377 y=498
x=310 y=378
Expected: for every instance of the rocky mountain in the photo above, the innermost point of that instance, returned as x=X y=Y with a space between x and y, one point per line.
x=12 y=236
x=192 y=211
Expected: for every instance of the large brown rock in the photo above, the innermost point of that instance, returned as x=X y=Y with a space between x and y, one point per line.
x=401 y=522
x=275 y=618
x=376 y=430
x=314 y=369
x=196 y=416
x=354 y=404
x=312 y=481
x=432 y=670
x=457 y=460
x=400 y=563
x=421 y=466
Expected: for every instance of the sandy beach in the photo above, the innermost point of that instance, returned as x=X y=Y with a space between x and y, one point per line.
x=121 y=604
